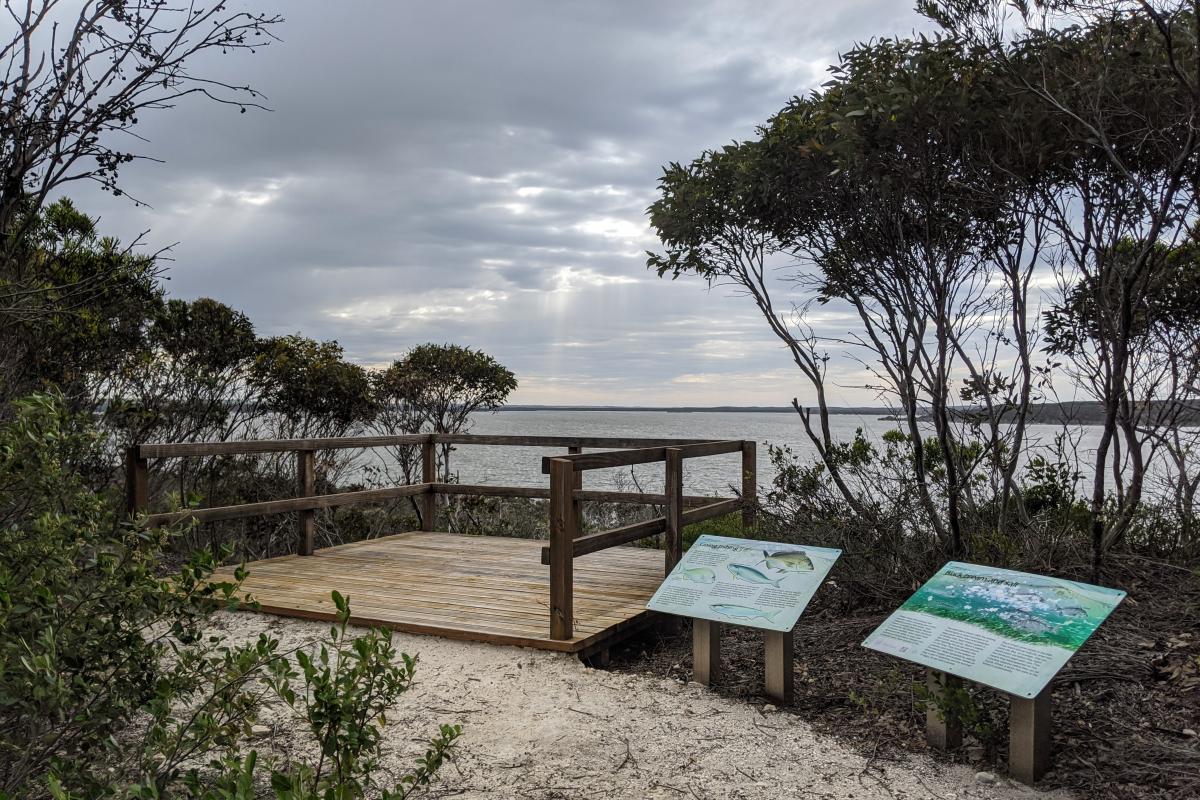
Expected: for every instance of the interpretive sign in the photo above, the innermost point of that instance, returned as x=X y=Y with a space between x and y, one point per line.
x=744 y=582
x=1009 y=630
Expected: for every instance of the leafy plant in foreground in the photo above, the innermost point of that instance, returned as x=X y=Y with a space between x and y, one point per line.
x=342 y=691
x=112 y=683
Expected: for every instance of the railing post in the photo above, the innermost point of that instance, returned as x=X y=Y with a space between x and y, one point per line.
x=578 y=486
x=562 y=548
x=674 y=512
x=306 y=486
x=429 y=476
x=749 y=485
x=137 y=482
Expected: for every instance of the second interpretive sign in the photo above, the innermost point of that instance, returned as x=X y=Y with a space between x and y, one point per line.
x=1009 y=630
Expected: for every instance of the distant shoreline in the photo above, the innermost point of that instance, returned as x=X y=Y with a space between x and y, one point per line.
x=1042 y=414
x=693 y=409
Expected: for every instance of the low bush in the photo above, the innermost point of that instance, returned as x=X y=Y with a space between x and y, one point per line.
x=111 y=684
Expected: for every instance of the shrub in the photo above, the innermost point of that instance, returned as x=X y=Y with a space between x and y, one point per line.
x=110 y=684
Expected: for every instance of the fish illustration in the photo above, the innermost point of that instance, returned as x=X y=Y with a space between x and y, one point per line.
x=1055 y=589
x=744 y=612
x=1026 y=622
x=1072 y=611
x=788 y=560
x=751 y=575
x=698 y=575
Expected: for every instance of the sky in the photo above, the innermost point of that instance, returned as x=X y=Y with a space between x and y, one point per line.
x=478 y=173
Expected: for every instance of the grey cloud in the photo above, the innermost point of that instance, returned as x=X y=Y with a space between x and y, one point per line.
x=478 y=173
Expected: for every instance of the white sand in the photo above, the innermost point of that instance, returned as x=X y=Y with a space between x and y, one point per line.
x=542 y=725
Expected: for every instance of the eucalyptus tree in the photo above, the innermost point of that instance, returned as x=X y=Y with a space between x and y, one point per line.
x=884 y=192
x=1162 y=398
x=77 y=78
x=713 y=218
x=184 y=380
x=1117 y=82
x=435 y=388
x=75 y=81
x=102 y=294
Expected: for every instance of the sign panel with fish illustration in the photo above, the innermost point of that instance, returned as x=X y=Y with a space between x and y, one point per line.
x=744 y=582
x=1009 y=630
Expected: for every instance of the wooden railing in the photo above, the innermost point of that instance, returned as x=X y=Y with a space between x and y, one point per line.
x=566 y=543
x=565 y=493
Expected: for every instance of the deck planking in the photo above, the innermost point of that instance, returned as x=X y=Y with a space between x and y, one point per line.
x=479 y=588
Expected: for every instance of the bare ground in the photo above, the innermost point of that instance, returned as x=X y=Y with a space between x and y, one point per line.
x=541 y=725
x=1127 y=706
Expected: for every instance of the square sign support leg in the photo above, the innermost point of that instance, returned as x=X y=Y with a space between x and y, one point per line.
x=706 y=651
x=942 y=730
x=780 y=678
x=1029 y=738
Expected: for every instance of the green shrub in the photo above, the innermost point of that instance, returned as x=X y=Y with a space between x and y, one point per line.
x=92 y=639
x=344 y=693
x=111 y=685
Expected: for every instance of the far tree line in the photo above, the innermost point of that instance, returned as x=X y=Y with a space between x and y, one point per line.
x=96 y=326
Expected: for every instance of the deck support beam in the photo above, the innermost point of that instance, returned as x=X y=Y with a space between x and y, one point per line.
x=306 y=486
x=706 y=651
x=601 y=659
x=1029 y=737
x=562 y=548
x=780 y=677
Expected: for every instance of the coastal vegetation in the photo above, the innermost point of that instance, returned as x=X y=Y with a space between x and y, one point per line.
x=1007 y=210
x=1006 y=213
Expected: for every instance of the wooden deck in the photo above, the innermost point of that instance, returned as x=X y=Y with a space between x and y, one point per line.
x=480 y=588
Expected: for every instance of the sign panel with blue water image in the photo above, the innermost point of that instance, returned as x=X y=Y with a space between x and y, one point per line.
x=1009 y=630
x=744 y=582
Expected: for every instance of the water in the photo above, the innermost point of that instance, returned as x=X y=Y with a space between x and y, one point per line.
x=521 y=466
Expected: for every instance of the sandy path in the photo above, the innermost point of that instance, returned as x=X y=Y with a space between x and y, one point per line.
x=540 y=725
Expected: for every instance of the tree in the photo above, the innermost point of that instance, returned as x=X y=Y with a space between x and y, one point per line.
x=77 y=305
x=185 y=380
x=1116 y=81
x=436 y=388
x=76 y=82
x=1161 y=397
x=867 y=194
x=309 y=388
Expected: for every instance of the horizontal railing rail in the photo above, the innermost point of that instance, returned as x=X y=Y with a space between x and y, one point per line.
x=646 y=455
x=268 y=507
x=627 y=534
x=250 y=446
x=565 y=493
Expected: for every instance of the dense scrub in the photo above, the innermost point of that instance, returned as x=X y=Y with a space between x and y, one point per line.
x=111 y=684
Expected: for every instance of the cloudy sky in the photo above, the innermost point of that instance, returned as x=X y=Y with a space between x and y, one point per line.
x=478 y=173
